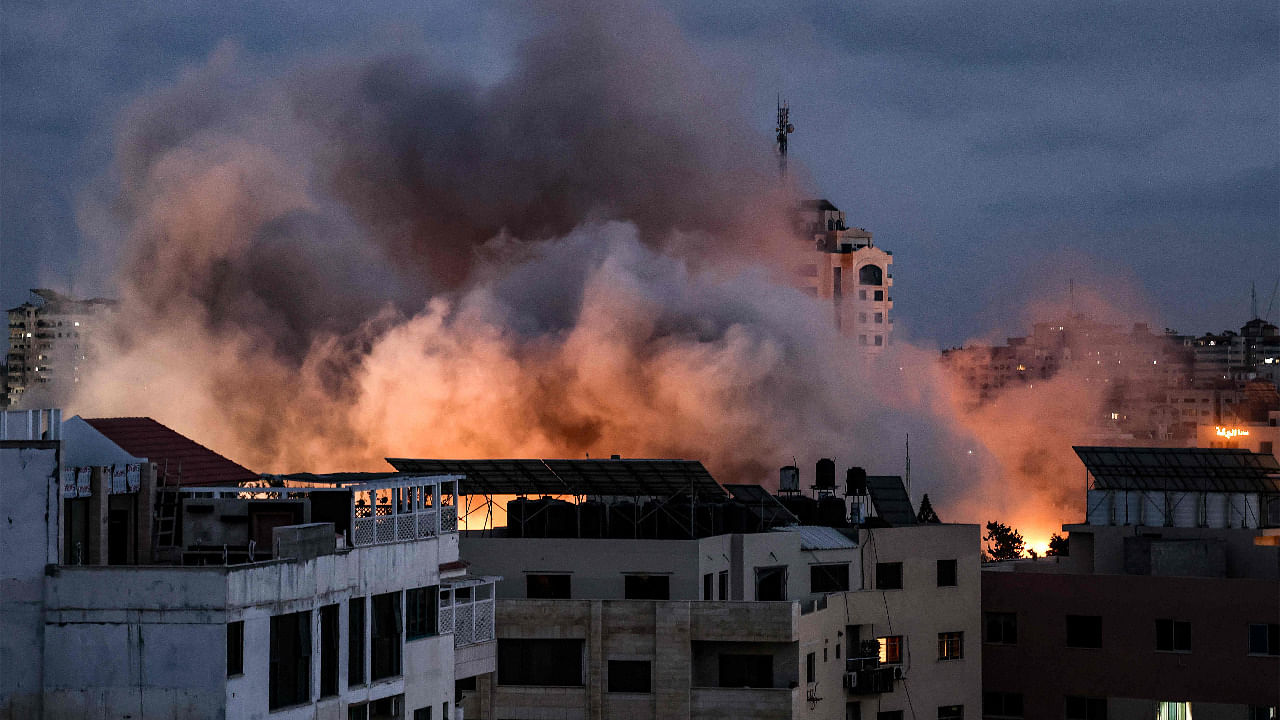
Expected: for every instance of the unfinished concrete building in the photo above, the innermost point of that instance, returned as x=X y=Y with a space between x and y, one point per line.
x=659 y=593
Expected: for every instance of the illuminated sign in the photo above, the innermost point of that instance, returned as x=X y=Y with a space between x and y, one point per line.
x=1230 y=432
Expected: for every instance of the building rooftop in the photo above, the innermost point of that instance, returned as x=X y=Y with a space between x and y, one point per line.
x=181 y=460
x=1186 y=469
x=819 y=537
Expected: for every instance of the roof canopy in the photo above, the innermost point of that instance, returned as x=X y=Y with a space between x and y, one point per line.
x=180 y=459
x=660 y=478
x=1186 y=469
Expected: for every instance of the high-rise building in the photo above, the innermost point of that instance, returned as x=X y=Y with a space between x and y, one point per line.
x=844 y=267
x=49 y=345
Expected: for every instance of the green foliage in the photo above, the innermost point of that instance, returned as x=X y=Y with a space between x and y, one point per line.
x=1003 y=542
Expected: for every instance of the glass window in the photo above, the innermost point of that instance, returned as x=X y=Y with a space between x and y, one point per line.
x=1264 y=639
x=385 y=639
x=811 y=668
x=950 y=645
x=547 y=587
x=1083 y=708
x=1173 y=635
x=951 y=712
x=630 y=676
x=870 y=275
x=235 y=648
x=355 y=641
x=289 y=681
x=890 y=649
x=420 y=612
x=540 y=662
x=1001 y=628
x=328 y=650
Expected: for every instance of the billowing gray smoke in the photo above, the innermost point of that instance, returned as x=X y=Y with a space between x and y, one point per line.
x=363 y=257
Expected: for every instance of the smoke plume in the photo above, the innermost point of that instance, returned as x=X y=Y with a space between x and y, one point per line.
x=365 y=257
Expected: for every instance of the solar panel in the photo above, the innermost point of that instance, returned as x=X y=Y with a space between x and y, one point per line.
x=890 y=500
x=1181 y=469
x=623 y=477
x=763 y=504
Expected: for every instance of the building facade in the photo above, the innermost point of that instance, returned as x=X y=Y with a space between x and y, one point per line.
x=50 y=345
x=844 y=267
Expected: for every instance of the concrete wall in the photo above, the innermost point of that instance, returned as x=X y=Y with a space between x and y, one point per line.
x=1100 y=549
x=29 y=498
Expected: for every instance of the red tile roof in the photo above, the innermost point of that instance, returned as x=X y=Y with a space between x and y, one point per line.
x=185 y=461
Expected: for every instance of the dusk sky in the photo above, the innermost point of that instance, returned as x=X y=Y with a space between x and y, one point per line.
x=1000 y=149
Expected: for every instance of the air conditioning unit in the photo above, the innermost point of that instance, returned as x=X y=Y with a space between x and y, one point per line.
x=851 y=680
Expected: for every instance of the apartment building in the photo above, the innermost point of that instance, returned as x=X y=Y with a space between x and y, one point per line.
x=843 y=266
x=50 y=345
x=1167 y=606
x=334 y=597
x=657 y=592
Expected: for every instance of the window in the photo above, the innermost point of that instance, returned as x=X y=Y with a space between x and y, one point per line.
x=630 y=676
x=328 y=650
x=723 y=582
x=385 y=640
x=289 y=681
x=540 y=662
x=828 y=578
x=878 y=296
x=1082 y=708
x=355 y=641
x=862 y=339
x=879 y=318
x=862 y=294
x=836 y=290
x=951 y=712
x=870 y=275
x=1264 y=639
x=423 y=714
x=361 y=712
x=1173 y=635
x=811 y=668
x=547 y=587
x=890 y=649
x=1002 y=704
x=889 y=576
x=753 y=671
x=444 y=710
x=889 y=715
x=235 y=648
x=950 y=645
x=1084 y=631
x=853 y=710
x=1257 y=712
x=879 y=340
x=647 y=587
x=708 y=586
x=1173 y=711
x=771 y=583
x=420 y=608
x=1001 y=628
x=946 y=573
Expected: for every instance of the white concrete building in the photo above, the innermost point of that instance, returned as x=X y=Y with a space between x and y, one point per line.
x=765 y=620
x=357 y=608
x=50 y=345
x=843 y=266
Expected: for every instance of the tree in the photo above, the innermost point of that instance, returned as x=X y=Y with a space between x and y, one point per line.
x=927 y=515
x=1004 y=542
x=1057 y=546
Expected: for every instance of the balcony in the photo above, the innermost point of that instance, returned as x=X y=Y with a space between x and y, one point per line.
x=403 y=509
x=871 y=681
x=466 y=610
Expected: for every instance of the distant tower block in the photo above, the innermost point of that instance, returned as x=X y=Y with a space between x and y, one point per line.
x=843 y=266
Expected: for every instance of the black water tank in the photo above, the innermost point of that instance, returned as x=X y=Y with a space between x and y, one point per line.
x=826 y=477
x=647 y=525
x=622 y=520
x=592 y=519
x=562 y=519
x=804 y=508
x=535 y=517
x=855 y=481
x=832 y=512
x=517 y=511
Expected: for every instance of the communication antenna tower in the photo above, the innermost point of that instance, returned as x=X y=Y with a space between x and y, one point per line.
x=1253 y=300
x=784 y=129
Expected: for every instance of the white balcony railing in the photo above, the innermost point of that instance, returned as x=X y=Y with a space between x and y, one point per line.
x=403 y=509
x=466 y=610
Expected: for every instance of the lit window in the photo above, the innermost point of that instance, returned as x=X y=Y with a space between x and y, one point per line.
x=1173 y=711
x=890 y=649
x=950 y=645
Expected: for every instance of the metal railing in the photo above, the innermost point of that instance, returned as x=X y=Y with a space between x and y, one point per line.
x=467 y=612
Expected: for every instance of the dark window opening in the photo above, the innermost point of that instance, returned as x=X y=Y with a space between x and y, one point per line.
x=630 y=676
x=1001 y=628
x=879 y=295
x=289 y=681
x=771 y=583
x=328 y=650
x=811 y=668
x=889 y=715
x=870 y=275
x=1173 y=635
x=422 y=714
x=708 y=586
x=547 y=587
x=946 y=573
x=117 y=537
x=951 y=712
x=385 y=638
x=647 y=587
x=466 y=684
x=235 y=648
x=387 y=708
x=836 y=290
x=723 y=582
x=828 y=578
x=1083 y=708
x=750 y=671
x=355 y=641
x=1264 y=639
x=889 y=576
x=420 y=612
x=540 y=662
x=1002 y=704
x=1084 y=631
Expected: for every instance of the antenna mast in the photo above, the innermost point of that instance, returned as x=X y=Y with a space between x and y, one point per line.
x=1253 y=300
x=784 y=129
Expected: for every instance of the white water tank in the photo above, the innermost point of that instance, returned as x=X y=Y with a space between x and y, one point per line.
x=1153 y=507
x=1098 y=511
x=1216 y=510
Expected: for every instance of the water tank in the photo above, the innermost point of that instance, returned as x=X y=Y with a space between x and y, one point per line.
x=804 y=508
x=855 y=481
x=832 y=512
x=593 y=519
x=535 y=517
x=1153 y=508
x=1132 y=514
x=1185 y=508
x=622 y=520
x=1216 y=510
x=517 y=511
x=648 y=523
x=788 y=478
x=826 y=474
x=562 y=519
x=1098 y=507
